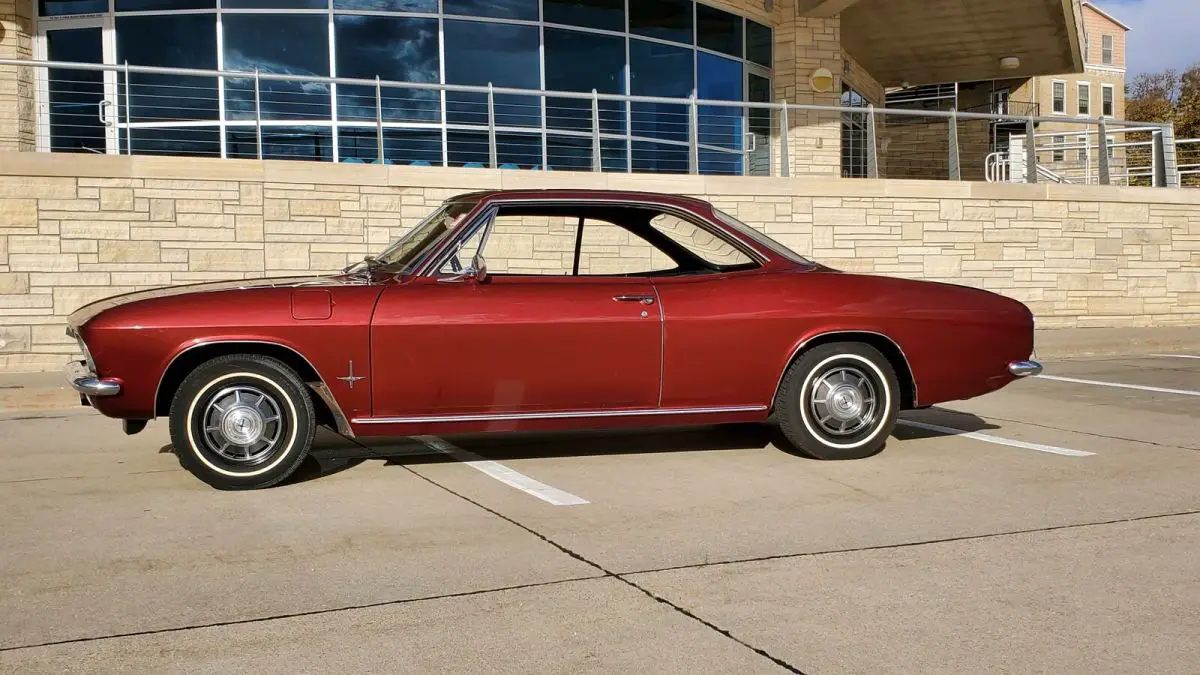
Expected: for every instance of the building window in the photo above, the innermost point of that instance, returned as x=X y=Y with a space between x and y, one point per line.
x=1112 y=150
x=1083 y=147
x=1059 y=152
x=1060 y=97
x=1106 y=51
x=1106 y=107
x=661 y=48
x=1087 y=46
x=854 y=135
x=1085 y=98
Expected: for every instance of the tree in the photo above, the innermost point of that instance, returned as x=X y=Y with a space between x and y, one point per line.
x=1167 y=96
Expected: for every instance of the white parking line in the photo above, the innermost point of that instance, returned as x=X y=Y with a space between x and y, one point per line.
x=988 y=438
x=1176 y=356
x=504 y=474
x=1119 y=385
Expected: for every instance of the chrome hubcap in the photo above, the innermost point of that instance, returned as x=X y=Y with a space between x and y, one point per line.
x=843 y=401
x=242 y=424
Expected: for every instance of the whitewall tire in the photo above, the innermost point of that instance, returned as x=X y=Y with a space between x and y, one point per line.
x=838 y=401
x=242 y=422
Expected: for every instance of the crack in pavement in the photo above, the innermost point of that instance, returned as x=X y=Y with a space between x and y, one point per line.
x=1092 y=434
x=926 y=542
x=609 y=574
x=296 y=615
x=621 y=576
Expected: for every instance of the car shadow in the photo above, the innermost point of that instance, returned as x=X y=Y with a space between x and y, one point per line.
x=333 y=453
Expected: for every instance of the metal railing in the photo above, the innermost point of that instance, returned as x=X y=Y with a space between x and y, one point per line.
x=1140 y=170
x=129 y=109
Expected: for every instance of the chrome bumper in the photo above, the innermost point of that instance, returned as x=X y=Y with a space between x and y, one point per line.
x=1025 y=368
x=84 y=381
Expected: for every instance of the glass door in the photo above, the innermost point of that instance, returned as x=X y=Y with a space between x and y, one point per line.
x=758 y=127
x=77 y=109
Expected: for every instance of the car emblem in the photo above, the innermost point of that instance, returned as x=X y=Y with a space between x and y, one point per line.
x=350 y=379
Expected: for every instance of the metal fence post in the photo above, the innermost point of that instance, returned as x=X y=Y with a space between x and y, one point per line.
x=872 y=144
x=954 y=158
x=784 y=168
x=597 y=160
x=491 y=112
x=257 y=115
x=1031 y=161
x=379 y=118
x=1166 y=164
x=1105 y=173
x=693 y=135
x=128 y=115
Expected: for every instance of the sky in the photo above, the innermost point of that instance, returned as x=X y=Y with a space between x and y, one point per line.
x=1164 y=33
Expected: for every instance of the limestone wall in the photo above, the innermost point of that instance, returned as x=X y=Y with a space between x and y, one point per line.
x=16 y=84
x=77 y=228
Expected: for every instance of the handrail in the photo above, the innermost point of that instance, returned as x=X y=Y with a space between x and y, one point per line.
x=693 y=130
x=434 y=86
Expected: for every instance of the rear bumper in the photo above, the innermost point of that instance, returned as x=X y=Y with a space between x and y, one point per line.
x=1025 y=368
x=86 y=382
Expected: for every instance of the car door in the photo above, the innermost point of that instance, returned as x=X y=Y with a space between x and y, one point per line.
x=530 y=339
x=723 y=332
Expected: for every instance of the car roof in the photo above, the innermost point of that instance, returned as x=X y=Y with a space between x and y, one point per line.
x=553 y=194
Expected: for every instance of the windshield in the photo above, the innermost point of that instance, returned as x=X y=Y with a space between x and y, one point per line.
x=408 y=249
x=761 y=238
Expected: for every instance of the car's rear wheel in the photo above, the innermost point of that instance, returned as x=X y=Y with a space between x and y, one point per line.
x=242 y=422
x=838 y=401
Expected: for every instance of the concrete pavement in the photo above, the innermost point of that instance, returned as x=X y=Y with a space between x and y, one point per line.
x=705 y=550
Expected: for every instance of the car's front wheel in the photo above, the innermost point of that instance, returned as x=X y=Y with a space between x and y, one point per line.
x=838 y=401
x=242 y=422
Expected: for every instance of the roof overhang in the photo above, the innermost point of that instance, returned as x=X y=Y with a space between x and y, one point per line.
x=929 y=41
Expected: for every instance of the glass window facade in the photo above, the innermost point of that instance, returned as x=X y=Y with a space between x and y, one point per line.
x=854 y=135
x=659 y=48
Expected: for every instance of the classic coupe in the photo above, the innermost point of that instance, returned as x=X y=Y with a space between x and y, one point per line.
x=542 y=310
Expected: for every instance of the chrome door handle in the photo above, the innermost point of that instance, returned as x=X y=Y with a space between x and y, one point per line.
x=644 y=299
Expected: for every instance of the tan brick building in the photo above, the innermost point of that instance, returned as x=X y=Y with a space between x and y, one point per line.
x=1097 y=89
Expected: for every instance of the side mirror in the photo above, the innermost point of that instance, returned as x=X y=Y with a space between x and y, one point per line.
x=476 y=271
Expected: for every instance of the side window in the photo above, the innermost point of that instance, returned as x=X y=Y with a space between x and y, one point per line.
x=535 y=245
x=700 y=242
x=608 y=249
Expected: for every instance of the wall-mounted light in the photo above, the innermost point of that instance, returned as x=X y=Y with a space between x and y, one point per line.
x=821 y=80
x=1010 y=63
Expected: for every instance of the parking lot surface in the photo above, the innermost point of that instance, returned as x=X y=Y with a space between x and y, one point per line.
x=1052 y=526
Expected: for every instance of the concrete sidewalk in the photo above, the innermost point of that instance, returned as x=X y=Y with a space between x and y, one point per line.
x=25 y=392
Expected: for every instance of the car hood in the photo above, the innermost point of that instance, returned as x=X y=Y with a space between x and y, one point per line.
x=88 y=312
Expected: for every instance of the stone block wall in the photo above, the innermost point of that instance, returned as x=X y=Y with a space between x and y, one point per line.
x=78 y=228
x=16 y=84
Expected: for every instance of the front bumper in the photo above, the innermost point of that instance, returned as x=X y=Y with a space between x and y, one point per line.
x=1025 y=368
x=86 y=382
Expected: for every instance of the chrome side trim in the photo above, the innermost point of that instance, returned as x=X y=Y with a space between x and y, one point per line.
x=579 y=414
x=849 y=331
x=1025 y=368
x=343 y=425
x=85 y=381
x=163 y=375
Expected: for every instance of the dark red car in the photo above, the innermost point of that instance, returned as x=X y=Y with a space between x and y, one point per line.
x=594 y=309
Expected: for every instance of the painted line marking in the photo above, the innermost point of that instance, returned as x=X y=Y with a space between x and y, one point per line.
x=509 y=477
x=1176 y=356
x=988 y=438
x=1119 y=385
